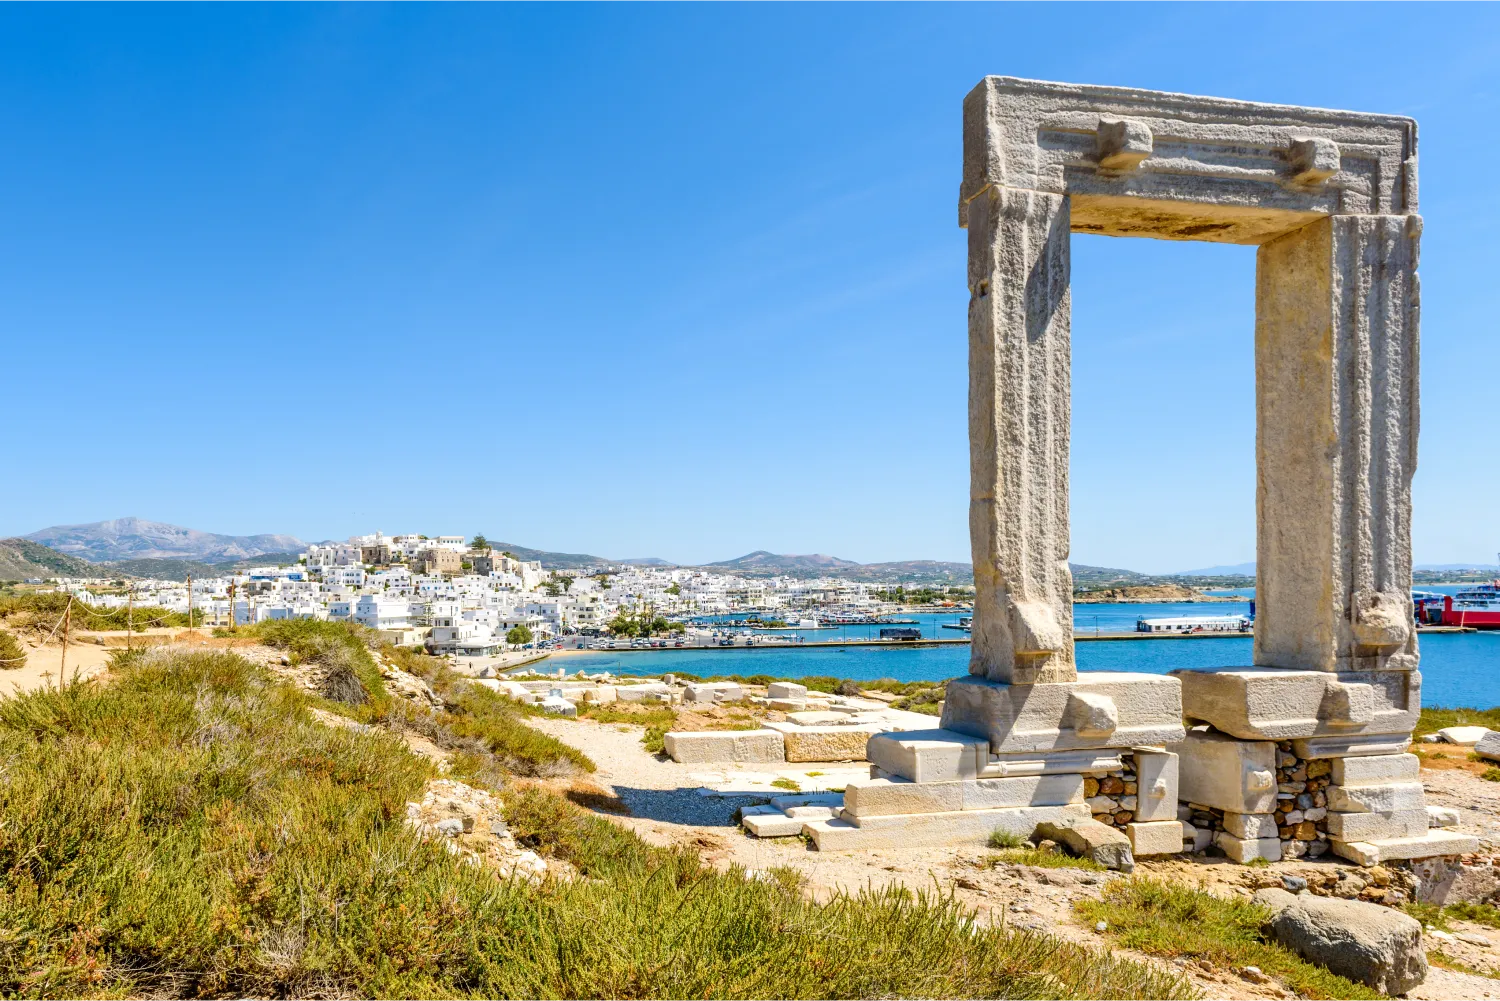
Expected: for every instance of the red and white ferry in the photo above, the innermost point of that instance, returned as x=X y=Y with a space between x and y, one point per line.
x=1476 y=607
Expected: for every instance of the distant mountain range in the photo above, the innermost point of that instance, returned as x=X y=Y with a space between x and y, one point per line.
x=134 y=539
x=1231 y=570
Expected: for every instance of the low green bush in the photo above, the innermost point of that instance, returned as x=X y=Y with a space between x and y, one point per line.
x=1172 y=920
x=190 y=830
x=12 y=654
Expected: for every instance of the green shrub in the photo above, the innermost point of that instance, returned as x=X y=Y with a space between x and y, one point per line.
x=482 y=723
x=189 y=830
x=1005 y=839
x=12 y=654
x=1172 y=920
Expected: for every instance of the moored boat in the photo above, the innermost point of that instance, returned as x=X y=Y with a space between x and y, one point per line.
x=1476 y=607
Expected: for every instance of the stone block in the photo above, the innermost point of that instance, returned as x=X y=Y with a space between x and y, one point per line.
x=649 y=692
x=1250 y=825
x=773 y=824
x=1244 y=850
x=1202 y=838
x=1162 y=837
x=1489 y=746
x=800 y=799
x=1228 y=774
x=1386 y=798
x=786 y=690
x=1347 y=747
x=824 y=743
x=1376 y=769
x=1377 y=826
x=1275 y=704
x=1464 y=736
x=1436 y=842
x=1147 y=710
x=1022 y=790
x=1091 y=840
x=713 y=691
x=602 y=695
x=1156 y=774
x=726 y=745
x=929 y=755
x=1442 y=816
x=887 y=797
x=931 y=829
x=558 y=706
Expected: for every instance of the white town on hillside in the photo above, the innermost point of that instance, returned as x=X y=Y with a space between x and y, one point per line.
x=458 y=596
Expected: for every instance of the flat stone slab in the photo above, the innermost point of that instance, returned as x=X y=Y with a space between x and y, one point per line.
x=1377 y=826
x=930 y=829
x=695 y=747
x=1436 y=842
x=1102 y=709
x=889 y=797
x=1464 y=736
x=1276 y=704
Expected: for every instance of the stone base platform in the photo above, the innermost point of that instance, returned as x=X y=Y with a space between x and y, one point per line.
x=931 y=829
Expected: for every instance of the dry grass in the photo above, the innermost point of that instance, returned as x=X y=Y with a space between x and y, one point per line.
x=190 y=830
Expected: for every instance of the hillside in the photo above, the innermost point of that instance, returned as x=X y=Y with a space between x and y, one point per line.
x=134 y=538
x=22 y=558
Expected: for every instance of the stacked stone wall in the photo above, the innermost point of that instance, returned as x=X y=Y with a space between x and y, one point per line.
x=1112 y=796
x=1301 y=803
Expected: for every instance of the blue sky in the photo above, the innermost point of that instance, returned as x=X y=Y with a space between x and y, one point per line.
x=678 y=281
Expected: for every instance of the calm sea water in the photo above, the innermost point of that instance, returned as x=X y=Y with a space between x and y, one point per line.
x=1458 y=669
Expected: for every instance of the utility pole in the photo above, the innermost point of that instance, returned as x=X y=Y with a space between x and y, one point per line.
x=129 y=621
x=231 y=605
x=190 y=602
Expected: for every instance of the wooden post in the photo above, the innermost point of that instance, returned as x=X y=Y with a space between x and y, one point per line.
x=129 y=621
x=62 y=665
x=190 y=602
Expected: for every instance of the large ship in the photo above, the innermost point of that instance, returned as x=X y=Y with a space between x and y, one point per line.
x=1476 y=607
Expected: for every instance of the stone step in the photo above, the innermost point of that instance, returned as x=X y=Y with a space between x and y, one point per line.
x=934 y=829
x=1435 y=842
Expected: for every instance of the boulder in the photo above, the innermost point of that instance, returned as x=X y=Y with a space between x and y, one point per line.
x=1091 y=840
x=1367 y=943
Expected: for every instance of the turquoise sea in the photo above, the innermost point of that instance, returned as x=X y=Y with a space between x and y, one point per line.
x=1458 y=669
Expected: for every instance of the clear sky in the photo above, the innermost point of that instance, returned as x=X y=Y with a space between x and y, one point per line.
x=678 y=281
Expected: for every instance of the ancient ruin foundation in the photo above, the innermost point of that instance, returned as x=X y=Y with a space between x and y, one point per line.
x=1302 y=752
